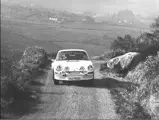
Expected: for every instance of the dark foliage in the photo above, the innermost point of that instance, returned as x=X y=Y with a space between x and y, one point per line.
x=52 y=55
x=34 y=57
x=125 y=43
x=134 y=104
x=15 y=81
x=146 y=44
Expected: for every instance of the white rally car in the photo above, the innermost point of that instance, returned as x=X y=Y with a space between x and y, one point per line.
x=72 y=65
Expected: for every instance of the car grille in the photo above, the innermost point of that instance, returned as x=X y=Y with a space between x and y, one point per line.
x=74 y=72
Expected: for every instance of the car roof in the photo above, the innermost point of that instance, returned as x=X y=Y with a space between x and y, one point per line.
x=72 y=50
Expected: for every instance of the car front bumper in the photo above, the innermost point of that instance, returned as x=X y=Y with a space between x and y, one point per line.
x=71 y=77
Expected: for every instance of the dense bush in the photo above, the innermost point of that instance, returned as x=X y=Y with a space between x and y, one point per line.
x=134 y=104
x=34 y=57
x=16 y=79
x=155 y=27
x=146 y=44
x=8 y=59
x=52 y=55
x=126 y=43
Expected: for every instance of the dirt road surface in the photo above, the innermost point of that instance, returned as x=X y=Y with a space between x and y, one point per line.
x=75 y=101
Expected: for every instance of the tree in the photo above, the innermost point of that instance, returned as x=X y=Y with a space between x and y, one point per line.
x=125 y=43
x=155 y=25
x=148 y=43
x=155 y=28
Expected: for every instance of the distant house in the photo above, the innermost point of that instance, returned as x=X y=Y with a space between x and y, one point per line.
x=84 y=20
x=119 y=21
x=125 y=21
x=54 y=19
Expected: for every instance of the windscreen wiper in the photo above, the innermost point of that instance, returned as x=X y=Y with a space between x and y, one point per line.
x=72 y=60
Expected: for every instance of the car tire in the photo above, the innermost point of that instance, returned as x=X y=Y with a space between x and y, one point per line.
x=91 y=82
x=56 y=82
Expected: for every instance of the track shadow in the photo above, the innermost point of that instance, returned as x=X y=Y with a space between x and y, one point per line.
x=20 y=107
x=108 y=83
x=37 y=83
x=53 y=93
x=25 y=101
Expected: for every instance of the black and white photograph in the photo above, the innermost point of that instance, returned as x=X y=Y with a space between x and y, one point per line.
x=79 y=59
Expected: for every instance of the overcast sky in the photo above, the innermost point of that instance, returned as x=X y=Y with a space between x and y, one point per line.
x=142 y=7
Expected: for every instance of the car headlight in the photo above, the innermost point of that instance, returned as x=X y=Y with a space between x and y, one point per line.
x=67 y=69
x=90 y=68
x=82 y=68
x=59 y=68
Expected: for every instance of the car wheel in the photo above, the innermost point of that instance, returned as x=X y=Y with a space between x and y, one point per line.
x=56 y=82
x=91 y=82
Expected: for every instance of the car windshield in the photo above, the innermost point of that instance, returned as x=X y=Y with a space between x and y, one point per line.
x=72 y=55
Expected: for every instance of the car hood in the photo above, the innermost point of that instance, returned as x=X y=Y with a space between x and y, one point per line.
x=72 y=64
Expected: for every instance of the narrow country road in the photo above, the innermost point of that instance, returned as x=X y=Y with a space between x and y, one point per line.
x=75 y=101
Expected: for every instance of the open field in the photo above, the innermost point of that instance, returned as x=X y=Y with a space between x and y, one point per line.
x=95 y=38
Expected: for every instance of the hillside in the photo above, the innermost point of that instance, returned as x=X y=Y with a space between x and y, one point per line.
x=126 y=18
x=17 y=41
x=51 y=28
x=35 y=12
x=38 y=13
x=95 y=38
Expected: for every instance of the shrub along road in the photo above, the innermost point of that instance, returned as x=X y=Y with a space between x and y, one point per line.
x=76 y=100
